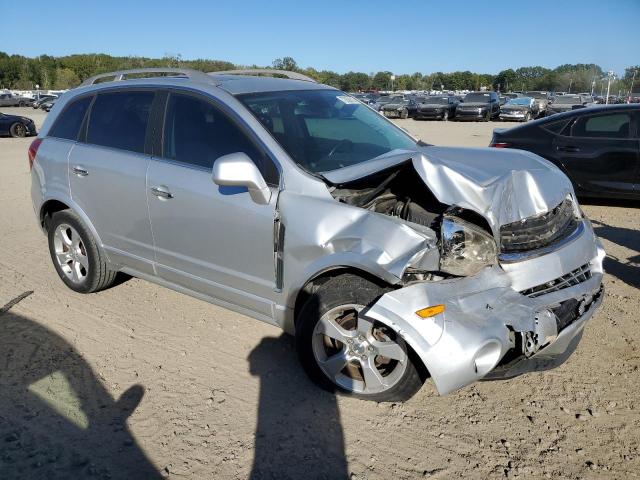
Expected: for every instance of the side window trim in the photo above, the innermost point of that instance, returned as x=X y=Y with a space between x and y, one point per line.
x=232 y=116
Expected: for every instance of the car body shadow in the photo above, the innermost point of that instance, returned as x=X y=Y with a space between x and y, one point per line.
x=298 y=433
x=627 y=271
x=56 y=418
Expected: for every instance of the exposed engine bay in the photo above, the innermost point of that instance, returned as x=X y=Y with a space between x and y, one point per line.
x=397 y=192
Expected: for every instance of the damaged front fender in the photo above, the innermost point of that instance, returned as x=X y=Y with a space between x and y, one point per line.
x=343 y=235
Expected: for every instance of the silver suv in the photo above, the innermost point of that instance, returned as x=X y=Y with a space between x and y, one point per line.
x=293 y=203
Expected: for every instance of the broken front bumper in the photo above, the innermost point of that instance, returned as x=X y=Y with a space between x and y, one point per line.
x=506 y=320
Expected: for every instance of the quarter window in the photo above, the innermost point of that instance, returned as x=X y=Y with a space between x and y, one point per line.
x=119 y=120
x=197 y=133
x=613 y=125
x=68 y=123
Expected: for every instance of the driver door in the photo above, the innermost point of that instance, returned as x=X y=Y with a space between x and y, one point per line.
x=210 y=239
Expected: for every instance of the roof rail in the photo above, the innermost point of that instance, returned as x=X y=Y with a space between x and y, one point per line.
x=266 y=71
x=120 y=75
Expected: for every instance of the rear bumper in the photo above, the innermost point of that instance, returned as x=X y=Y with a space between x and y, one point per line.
x=489 y=329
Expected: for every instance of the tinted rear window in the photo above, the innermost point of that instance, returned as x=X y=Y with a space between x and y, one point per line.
x=68 y=123
x=119 y=120
x=613 y=125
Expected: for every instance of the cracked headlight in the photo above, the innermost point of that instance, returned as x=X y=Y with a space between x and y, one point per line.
x=465 y=248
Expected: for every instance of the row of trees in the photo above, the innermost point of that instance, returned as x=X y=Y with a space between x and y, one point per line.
x=49 y=72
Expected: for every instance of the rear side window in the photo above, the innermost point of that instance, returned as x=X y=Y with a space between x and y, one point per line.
x=68 y=123
x=612 y=125
x=556 y=127
x=119 y=120
x=197 y=133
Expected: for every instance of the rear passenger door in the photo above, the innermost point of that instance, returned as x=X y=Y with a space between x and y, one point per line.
x=211 y=239
x=599 y=153
x=107 y=175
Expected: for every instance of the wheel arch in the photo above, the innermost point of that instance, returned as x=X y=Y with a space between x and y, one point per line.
x=53 y=205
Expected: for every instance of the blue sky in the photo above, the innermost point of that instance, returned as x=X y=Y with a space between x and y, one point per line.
x=360 y=35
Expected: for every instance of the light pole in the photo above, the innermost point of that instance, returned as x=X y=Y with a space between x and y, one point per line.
x=610 y=76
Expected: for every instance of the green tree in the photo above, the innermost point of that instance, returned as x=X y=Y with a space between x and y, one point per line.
x=285 y=63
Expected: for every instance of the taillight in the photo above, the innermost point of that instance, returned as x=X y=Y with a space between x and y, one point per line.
x=500 y=145
x=33 y=151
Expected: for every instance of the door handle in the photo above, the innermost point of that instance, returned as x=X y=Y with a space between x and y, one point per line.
x=161 y=192
x=568 y=148
x=80 y=171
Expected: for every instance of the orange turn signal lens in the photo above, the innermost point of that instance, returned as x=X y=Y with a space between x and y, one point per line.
x=430 y=311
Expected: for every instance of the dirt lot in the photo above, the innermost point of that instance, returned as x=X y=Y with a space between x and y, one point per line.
x=142 y=382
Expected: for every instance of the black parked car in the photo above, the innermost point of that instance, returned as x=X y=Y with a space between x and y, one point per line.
x=479 y=106
x=598 y=147
x=16 y=126
x=401 y=107
x=438 y=107
x=565 y=103
x=36 y=102
x=520 y=109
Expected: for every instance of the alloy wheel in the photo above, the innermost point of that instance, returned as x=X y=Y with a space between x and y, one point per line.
x=357 y=353
x=71 y=253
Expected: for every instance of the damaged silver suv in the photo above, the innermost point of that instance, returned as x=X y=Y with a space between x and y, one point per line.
x=390 y=260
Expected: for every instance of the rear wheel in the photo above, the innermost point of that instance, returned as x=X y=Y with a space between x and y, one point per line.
x=345 y=351
x=18 y=130
x=76 y=256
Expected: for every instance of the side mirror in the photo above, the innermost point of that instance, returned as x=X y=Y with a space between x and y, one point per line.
x=238 y=170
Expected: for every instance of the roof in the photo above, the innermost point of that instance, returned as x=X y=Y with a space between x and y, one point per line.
x=238 y=84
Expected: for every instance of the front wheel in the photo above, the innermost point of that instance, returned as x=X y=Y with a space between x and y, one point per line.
x=404 y=114
x=343 y=350
x=445 y=116
x=527 y=117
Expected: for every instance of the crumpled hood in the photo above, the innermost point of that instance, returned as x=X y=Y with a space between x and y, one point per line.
x=503 y=185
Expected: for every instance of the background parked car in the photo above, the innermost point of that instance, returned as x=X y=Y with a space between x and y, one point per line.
x=542 y=99
x=479 y=106
x=16 y=126
x=596 y=147
x=565 y=103
x=48 y=105
x=520 y=109
x=10 y=100
x=438 y=107
x=401 y=107
x=36 y=102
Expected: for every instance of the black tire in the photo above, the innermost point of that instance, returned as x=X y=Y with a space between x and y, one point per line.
x=98 y=275
x=527 y=117
x=18 y=130
x=21 y=104
x=343 y=290
x=404 y=114
x=445 y=116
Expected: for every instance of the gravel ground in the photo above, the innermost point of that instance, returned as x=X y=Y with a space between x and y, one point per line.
x=142 y=382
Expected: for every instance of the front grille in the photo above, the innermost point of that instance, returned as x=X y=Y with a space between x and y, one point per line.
x=539 y=231
x=571 y=279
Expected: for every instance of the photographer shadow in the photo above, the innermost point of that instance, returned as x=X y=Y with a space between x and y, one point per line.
x=56 y=418
x=299 y=434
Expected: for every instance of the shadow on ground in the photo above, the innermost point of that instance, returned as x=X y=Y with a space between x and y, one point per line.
x=626 y=270
x=56 y=418
x=298 y=434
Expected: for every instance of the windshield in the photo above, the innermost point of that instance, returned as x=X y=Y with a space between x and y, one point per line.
x=324 y=130
x=567 y=100
x=438 y=100
x=397 y=100
x=519 y=101
x=477 y=97
x=385 y=99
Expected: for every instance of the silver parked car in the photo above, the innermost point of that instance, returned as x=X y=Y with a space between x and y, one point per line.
x=293 y=203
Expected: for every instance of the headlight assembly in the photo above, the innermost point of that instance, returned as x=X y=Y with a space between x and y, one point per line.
x=465 y=248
